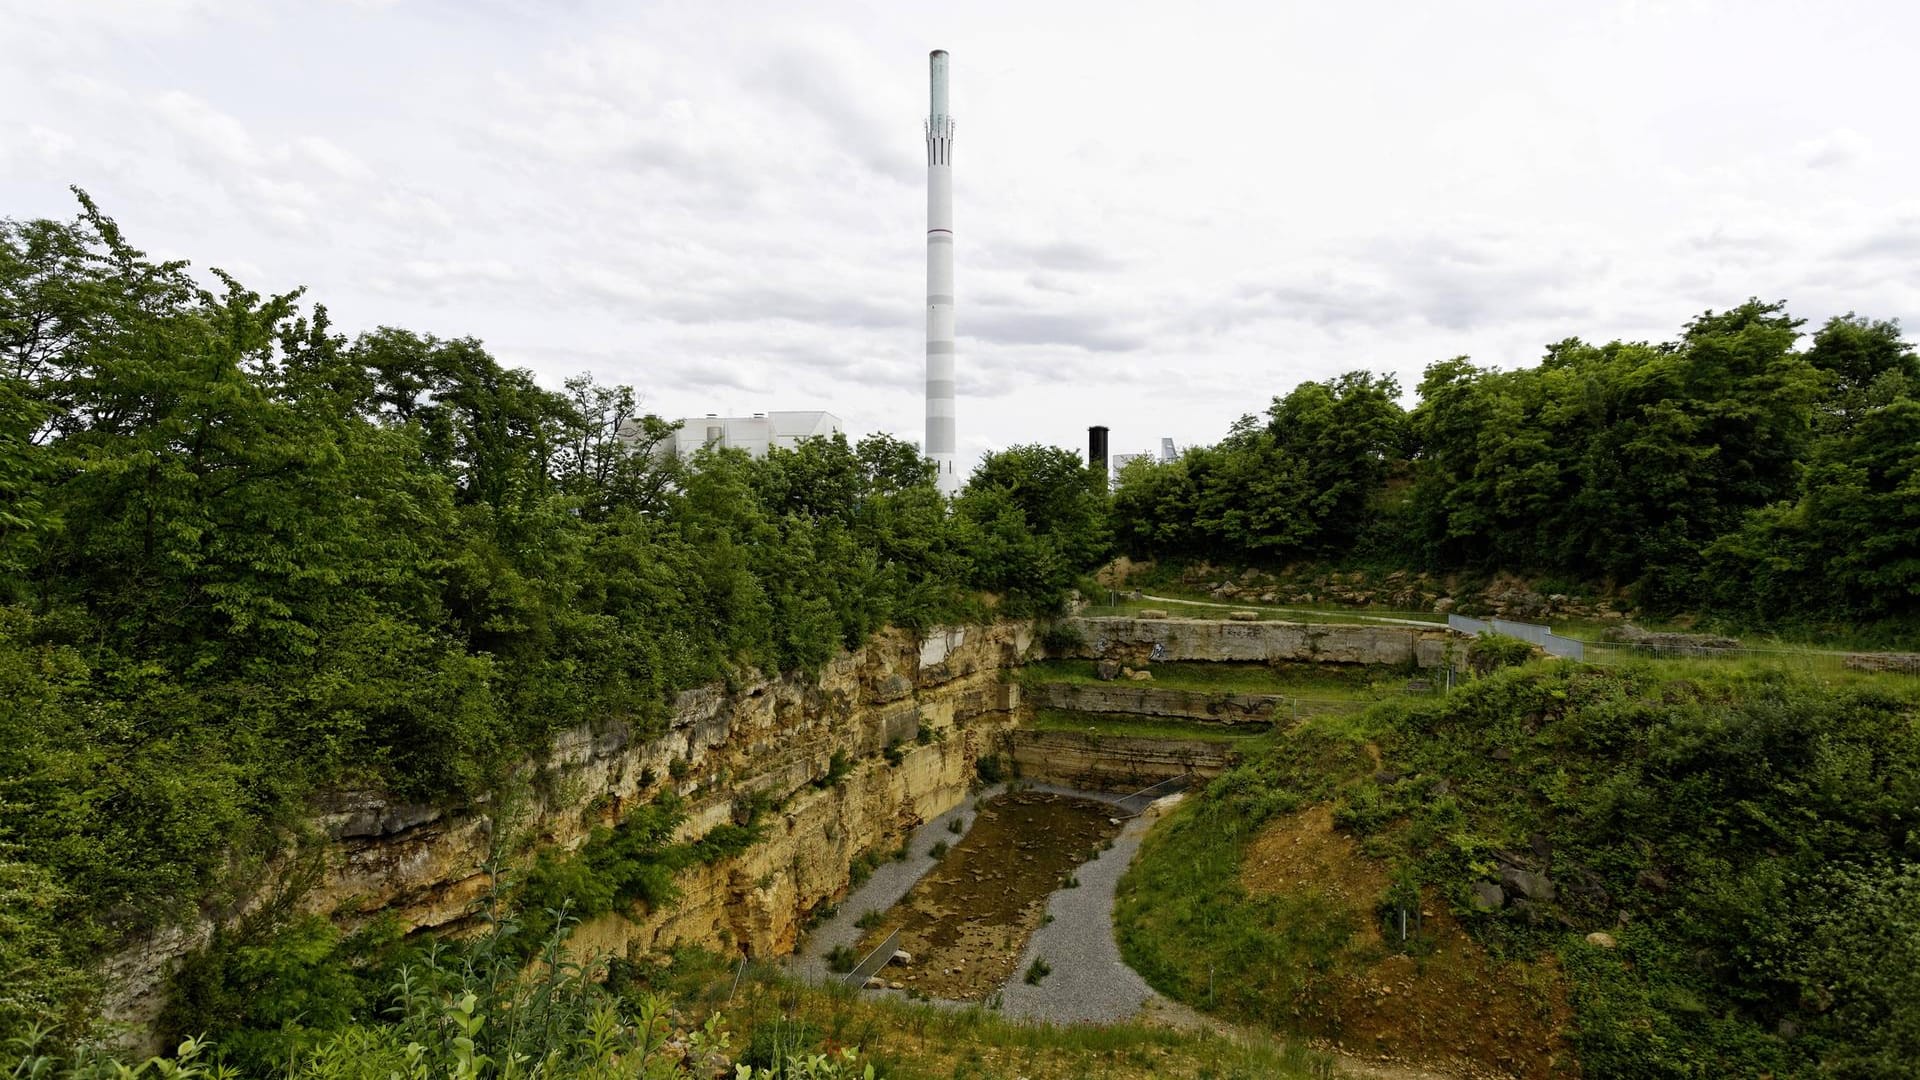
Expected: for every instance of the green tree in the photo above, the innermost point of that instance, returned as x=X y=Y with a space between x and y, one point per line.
x=1037 y=518
x=1346 y=435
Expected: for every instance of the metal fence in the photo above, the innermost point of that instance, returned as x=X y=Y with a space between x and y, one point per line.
x=1147 y=796
x=873 y=961
x=1817 y=661
x=1543 y=636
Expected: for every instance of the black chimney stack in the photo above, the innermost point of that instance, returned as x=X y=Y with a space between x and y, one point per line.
x=1097 y=450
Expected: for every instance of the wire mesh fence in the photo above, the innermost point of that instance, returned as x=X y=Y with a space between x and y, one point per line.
x=1811 y=661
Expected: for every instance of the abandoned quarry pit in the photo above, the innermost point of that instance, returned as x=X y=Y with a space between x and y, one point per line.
x=966 y=922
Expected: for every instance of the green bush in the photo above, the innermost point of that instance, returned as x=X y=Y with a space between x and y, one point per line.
x=838 y=766
x=1490 y=651
x=633 y=862
x=862 y=867
x=457 y=1009
x=841 y=959
x=1062 y=639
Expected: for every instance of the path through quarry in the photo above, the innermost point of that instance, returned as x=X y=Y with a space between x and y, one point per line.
x=1022 y=845
x=1088 y=983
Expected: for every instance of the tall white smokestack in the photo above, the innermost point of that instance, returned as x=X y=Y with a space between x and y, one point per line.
x=940 y=410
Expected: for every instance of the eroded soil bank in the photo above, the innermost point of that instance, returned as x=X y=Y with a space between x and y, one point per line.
x=967 y=921
x=1450 y=1003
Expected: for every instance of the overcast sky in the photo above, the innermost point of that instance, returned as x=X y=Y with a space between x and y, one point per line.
x=1165 y=213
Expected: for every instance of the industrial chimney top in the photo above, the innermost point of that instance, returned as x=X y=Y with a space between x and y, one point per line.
x=937 y=59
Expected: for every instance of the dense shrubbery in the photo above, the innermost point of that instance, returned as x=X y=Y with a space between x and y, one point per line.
x=1751 y=834
x=1728 y=470
x=242 y=555
x=328 y=1010
x=1489 y=651
x=1751 y=840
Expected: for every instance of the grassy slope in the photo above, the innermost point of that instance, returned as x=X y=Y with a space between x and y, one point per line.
x=772 y=1014
x=908 y=1041
x=1749 y=837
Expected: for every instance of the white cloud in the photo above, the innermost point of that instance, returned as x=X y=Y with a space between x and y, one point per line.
x=1164 y=217
x=1838 y=148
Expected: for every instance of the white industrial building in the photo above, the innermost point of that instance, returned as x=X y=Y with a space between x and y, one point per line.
x=755 y=433
x=1120 y=461
x=1166 y=455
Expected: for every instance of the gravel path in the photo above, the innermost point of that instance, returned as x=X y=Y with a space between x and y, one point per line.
x=1297 y=611
x=1089 y=984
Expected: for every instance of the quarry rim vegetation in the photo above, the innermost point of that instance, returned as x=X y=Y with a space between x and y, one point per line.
x=1743 y=842
x=246 y=561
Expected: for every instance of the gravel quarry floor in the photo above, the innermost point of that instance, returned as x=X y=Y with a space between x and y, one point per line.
x=891 y=881
x=966 y=921
x=1089 y=983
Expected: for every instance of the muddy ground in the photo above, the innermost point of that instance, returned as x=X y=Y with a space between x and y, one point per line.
x=967 y=920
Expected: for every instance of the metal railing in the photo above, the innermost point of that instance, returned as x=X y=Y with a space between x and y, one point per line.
x=1183 y=779
x=1543 y=636
x=865 y=969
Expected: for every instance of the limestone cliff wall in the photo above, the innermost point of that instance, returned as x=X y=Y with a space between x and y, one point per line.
x=370 y=855
x=1138 y=641
x=1144 y=699
x=1101 y=762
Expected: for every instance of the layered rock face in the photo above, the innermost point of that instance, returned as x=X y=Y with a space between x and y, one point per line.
x=426 y=865
x=1138 y=641
x=1101 y=762
x=1136 y=700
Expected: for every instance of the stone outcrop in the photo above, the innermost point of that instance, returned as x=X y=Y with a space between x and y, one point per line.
x=1153 y=701
x=1138 y=641
x=1096 y=761
x=1672 y=644
x=1506 y=596
x=937 y=704
x=1904 y=663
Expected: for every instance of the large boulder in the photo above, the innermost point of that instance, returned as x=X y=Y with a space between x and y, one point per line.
x=1487 y=896
x=1528 y=883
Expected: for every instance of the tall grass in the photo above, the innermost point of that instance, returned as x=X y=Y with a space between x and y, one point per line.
x=910 y=1039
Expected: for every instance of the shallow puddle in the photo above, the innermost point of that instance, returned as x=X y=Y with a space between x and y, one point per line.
x=966 y=921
